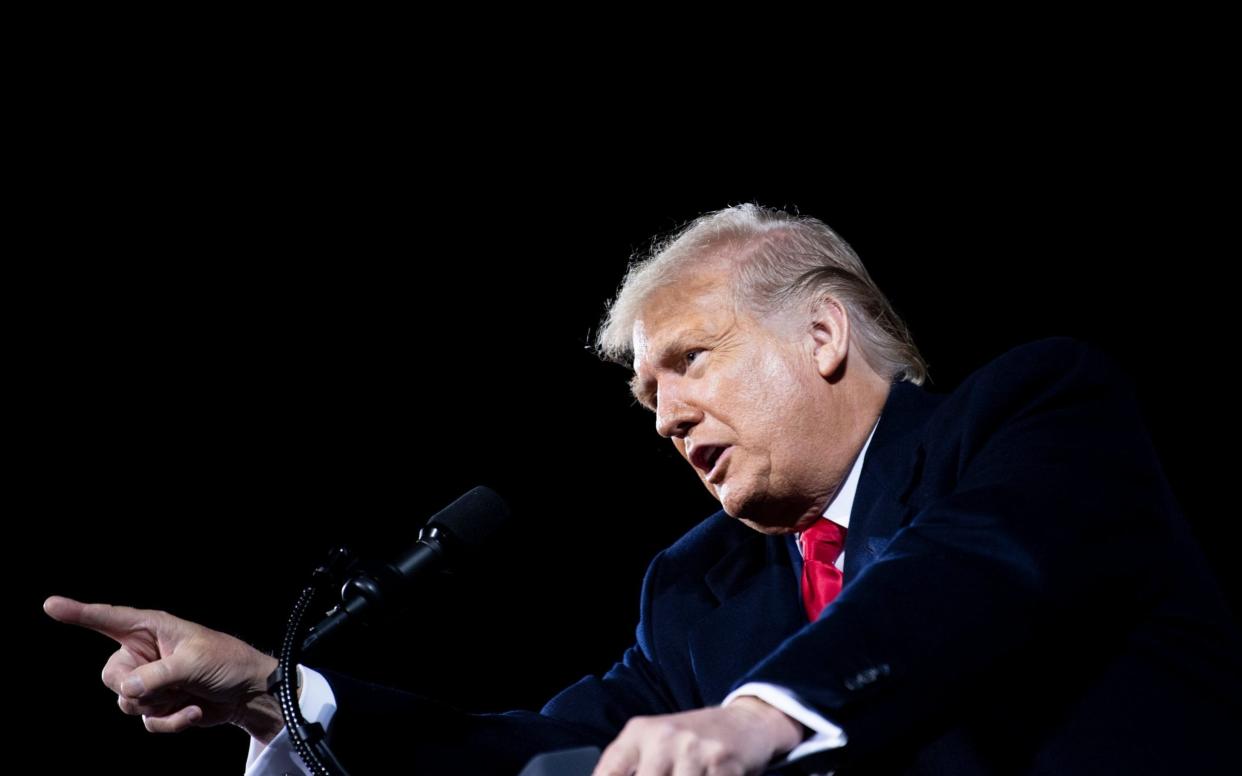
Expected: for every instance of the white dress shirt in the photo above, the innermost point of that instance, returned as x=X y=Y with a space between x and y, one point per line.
x=319 y=703
x=278 y=758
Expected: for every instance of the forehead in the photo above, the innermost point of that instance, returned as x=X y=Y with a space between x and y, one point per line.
x=698 y=306
x=673 y=320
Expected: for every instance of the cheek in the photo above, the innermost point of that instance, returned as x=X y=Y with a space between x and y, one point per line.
x=772 y=397
x=744 y=390
x=785 y=440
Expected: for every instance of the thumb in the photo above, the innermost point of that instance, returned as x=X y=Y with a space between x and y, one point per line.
x=150 y=678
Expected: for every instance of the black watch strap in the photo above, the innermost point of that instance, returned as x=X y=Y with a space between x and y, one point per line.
x=277 y=676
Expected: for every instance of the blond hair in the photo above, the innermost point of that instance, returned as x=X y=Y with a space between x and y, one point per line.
x=777 y=261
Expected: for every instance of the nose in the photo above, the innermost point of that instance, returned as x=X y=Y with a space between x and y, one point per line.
x=675 y=417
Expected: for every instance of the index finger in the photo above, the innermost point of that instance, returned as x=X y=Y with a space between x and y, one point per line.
x=114 y=622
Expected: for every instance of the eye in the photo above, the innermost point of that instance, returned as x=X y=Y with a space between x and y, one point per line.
x=689 y=357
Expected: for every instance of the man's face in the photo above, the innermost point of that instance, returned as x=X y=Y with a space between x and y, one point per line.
x=742 y=402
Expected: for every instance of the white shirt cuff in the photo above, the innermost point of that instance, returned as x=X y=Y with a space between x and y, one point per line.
x=318 y=705
x=827 y=735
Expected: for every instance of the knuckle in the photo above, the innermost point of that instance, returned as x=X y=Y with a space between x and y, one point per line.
x=666 y=729
x=685 y=743
x=160 y=671
x=715 y=754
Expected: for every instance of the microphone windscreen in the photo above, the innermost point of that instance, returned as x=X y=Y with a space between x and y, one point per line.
x=472 y=518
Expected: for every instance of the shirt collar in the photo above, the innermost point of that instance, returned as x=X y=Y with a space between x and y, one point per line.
x=838 y=509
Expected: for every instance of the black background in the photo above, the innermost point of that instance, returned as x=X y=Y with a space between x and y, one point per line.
x=237 y=346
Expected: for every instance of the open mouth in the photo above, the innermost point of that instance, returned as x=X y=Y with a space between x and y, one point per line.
x=714 y=462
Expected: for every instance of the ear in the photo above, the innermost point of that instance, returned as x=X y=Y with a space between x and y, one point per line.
x=830 y=335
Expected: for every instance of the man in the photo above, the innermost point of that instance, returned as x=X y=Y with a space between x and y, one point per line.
x=1008 y=585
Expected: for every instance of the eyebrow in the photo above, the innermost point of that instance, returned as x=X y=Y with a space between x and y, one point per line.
x=679 y=343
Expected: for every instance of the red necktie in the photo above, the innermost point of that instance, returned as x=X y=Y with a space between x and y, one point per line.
x=821 y=580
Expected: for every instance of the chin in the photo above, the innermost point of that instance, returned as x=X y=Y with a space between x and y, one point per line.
x=752 y=517
x=770 y=530
x=763 y=513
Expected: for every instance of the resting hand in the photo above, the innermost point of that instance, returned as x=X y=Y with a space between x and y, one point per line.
x=741 y=738
x=178 y=674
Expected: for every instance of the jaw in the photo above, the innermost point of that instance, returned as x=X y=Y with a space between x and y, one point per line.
x=780 y=517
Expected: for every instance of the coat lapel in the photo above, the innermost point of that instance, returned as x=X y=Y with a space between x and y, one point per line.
x=759 y=608
x=890 y=472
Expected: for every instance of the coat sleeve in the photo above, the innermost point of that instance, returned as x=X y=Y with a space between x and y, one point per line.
x=376 y=726
x=1036 y=541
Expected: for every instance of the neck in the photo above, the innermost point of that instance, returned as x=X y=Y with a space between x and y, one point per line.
x=861 y=402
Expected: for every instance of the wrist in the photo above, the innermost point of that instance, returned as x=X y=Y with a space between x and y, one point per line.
x=261 y=718
x=784 y=731
x=260 y=714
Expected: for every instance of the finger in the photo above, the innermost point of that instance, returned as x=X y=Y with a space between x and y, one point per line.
x=112 y=621
x=135 y=708
x=619 y=759
x=120 y=665
x=657 y=761
x=154 y=677
x=175 y=722
x=709 y=759
x=692 y=766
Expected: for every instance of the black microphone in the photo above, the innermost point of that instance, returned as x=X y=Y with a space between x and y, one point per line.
x=450 y=536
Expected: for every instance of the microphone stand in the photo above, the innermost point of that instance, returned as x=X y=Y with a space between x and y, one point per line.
x=369 y=588
x=308 y=738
